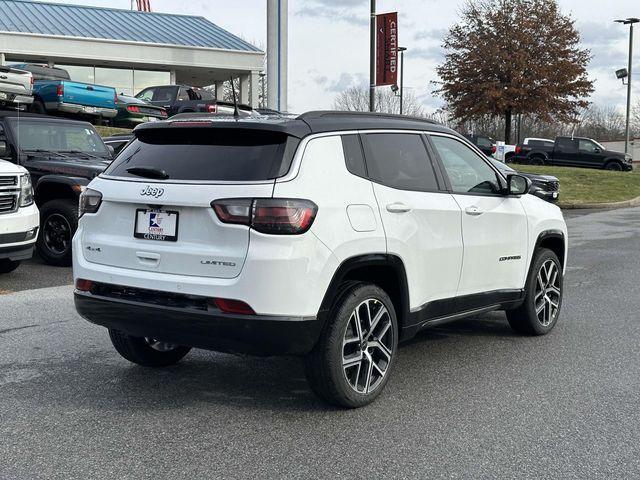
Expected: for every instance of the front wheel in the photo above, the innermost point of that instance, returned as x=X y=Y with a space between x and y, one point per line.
x=59 y=221
x=614 y=166
x=147 y=351
x=543 y=296
x=352 y=361
x=8 y=266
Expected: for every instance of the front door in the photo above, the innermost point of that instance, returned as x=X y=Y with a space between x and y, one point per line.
x=421 y=221
x=494 y=226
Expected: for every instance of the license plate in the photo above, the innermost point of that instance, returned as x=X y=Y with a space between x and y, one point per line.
x=3 y=96
x=161 y=225
x=90 y=109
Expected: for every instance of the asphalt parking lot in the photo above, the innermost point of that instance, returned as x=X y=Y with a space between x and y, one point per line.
x=466 y=400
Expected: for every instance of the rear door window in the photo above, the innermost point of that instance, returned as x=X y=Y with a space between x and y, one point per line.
x=208 y=154
x=400 y=160
x=353 y=156
x=566 y=145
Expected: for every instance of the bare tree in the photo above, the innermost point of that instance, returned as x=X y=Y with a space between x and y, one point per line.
x=356 y=99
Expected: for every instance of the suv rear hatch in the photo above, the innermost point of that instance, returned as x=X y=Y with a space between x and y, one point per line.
x=156 y=212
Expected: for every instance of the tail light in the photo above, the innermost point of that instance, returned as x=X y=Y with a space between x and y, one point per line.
x=493 y=149
x=115 y=97
x=212 y=108
x=233 y=306
x=90 y=201
x=31 y=81
x=518 y=150
x=133 y=109
x=276 y=216
x=60 y=90
x=163 y=112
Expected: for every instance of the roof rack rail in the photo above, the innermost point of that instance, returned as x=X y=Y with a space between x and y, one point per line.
x=390 y=116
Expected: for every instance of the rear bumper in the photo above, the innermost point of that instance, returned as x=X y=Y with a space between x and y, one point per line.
x=210 y=330
x=15 y=98
x=83 y=109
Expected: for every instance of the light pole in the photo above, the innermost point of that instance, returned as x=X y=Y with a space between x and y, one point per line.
x=630 y=22
x=372 y=59
x=401 y=50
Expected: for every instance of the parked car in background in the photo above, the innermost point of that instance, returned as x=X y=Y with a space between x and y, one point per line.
x=62 y=157
x=185 y=99
x=16 y=87
x=118 y=142
x=19 y=218
x=484 y=143
x=55 y=93
x=133 y=111
x=547 y=187
x=574 y=152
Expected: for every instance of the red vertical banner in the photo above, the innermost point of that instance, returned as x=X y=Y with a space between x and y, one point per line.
x=387 y=49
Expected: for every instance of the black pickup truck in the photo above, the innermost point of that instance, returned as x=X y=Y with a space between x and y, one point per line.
x=62 y=156
x=573 y=152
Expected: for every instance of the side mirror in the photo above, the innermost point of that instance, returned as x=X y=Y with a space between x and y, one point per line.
x=111 y=150
x=4 y=151
x=517 y=184
x=597 y=150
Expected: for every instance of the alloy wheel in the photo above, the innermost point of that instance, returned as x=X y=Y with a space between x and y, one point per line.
x=548 y=294
x=367 y=346
x=57 y=233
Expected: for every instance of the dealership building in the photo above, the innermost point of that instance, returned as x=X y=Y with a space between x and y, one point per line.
x=127 y=49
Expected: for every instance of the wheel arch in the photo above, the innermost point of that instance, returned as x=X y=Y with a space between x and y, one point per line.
x=384 y=270
x=54 y=187
x=555 y=241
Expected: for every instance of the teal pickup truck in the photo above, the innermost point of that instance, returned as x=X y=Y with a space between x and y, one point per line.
x=55 y=93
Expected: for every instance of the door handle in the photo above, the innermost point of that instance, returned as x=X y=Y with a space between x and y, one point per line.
x=473 y=210
x=398 y=207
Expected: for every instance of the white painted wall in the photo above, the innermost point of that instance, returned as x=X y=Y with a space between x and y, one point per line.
x=634 y=148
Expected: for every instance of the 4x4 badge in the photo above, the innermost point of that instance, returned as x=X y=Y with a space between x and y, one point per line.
x=152 y=191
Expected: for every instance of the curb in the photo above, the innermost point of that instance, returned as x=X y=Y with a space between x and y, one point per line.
x=634 y=202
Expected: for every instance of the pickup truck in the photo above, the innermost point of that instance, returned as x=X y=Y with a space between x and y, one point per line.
x=573 y=152
x=62 y=156
x=15 y=87
x=55 y=93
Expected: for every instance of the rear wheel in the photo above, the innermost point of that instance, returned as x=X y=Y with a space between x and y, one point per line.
x=537 y=160
x=147 y=351
x=38 y=107
x=8 y=266
x=614 y=166
x=543 y=296
x=352 y=361
x=59 y=221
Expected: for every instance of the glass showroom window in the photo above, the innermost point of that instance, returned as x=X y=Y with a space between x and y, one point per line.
x=79 y=73
x=147 y=78
x=118 y=78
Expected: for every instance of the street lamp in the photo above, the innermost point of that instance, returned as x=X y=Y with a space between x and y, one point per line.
x=620 y=74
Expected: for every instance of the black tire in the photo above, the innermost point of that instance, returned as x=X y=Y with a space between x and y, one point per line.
x=537 y=160
x=139 y=350
x=613 y=165
x=38 y=107
x=526 y=318
x=8 y=266
x=58 y=223
x=324 y=365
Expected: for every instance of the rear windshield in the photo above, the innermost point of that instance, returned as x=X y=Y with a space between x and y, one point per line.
x=208 y=154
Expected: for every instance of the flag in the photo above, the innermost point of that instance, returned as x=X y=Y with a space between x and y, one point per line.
x=144 y=5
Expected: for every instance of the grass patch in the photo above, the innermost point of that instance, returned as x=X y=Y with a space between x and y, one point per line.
x=108 y=131
x=586 y=185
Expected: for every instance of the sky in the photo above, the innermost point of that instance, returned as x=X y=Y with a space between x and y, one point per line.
x=329 y=41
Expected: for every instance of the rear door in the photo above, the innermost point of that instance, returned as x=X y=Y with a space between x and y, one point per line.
x=494 y=226
x=565 y=151
x=169 y=226
x=421 y=221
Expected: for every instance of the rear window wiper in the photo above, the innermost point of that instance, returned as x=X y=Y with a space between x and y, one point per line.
x=148 y=172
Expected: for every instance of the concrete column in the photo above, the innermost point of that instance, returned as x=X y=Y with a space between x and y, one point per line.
x=172 y=77
x=255 y=90
x=244 y=89
x=2 y=59
x=277 y=47
x=219 y=90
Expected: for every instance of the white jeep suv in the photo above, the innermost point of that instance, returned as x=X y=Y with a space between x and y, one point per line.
x=19 y=217
x=330 y=235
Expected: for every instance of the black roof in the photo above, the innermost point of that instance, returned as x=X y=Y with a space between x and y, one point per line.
x=307 y=123
x=37 y=116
